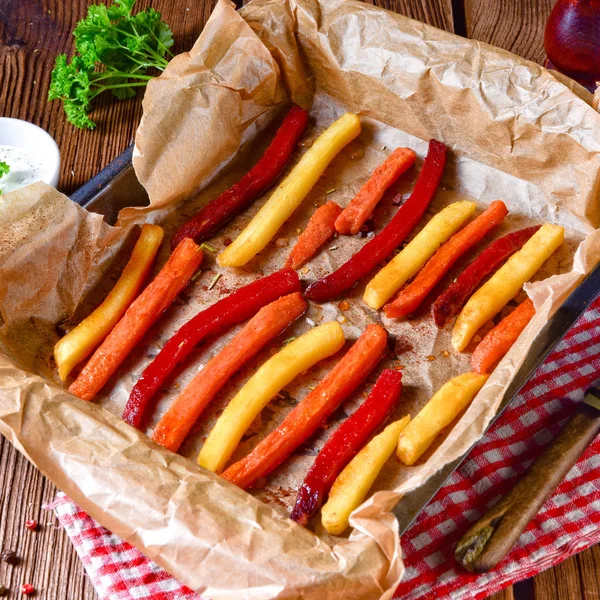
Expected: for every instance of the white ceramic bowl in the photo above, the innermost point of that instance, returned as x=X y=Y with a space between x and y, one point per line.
x=35 y=141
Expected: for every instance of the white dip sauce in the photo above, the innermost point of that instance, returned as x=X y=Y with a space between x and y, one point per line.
x=25 y=168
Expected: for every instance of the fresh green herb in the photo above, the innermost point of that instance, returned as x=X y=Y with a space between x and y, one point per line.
x=114 y=51
x=330 y=191
x=208 y=247
x=214 y=281
x=288 y=341
x=4 y=169
x=196 y=275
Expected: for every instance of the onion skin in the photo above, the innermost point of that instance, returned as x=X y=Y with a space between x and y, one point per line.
x=572 y=39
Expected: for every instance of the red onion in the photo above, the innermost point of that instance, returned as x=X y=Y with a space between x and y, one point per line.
x=572 y=39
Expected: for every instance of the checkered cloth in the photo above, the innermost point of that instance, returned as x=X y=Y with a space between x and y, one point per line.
x=568 y=523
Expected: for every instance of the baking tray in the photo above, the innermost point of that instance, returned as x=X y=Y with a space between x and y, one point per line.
x=116 y=187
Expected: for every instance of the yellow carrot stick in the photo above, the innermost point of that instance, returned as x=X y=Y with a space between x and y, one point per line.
x=444 y=406
x=79 y=343
x=290 y=193
x=505 y=284
x=355 y=481
x=271 y=377
x=410 y=260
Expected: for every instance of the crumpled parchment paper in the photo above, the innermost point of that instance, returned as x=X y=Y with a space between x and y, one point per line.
x=515 y=132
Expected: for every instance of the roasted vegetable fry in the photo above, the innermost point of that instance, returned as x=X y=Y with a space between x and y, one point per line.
x=445 y=405
x=270 y=321
x=241 y=194
x=271 y=377
x=227 y=312
x=355 y=481
x=290 y=193
x=499 y=340
x=345 y=442
x=319 y=229
x=138 y=318
x=411 y=297
x=359 y=209
x=79 y=343
x=505 y=284
x=412 y=258
x=313 y=411
x=453 y=298
x=394 y=233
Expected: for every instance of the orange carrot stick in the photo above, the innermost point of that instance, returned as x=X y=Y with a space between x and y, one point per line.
x=319 y=229
x=359 y=209
x=499 y=340
x=411 y=297
x=268 y=322
x=140 y=316
x=316 y=407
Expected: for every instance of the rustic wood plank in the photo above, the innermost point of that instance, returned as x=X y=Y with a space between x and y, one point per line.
x=433 y=12
x=515 y=25
x=506 y=594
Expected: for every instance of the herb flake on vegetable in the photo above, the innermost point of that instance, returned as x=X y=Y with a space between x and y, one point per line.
x=114 y=51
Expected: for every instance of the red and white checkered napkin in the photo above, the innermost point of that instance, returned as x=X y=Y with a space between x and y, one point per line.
x=568 y=523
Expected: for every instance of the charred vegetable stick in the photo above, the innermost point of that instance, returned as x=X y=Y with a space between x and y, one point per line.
x=453 y=298
x=359 y=209
x=500 y=339
x=505 y=284
x=319 y=229
x=270 y=321
x=235 y=199
x=445 y=405
x=271 y=377
x=313 y=411
x=355 y=481
x=394 y=233
x=345 y=442
x=290 y=193
x=412 y=258
x=411 y=297
x=140 y=316
x=227 y=312
x=79 y=343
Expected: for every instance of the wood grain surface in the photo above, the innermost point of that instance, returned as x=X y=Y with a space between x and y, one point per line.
x=32 y=33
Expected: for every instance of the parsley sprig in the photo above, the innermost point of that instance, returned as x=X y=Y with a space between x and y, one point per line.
x=114 y=51
x=4 y=169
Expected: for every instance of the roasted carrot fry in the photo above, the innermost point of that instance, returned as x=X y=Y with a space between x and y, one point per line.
x=319 y=229
x=500 y=339
x=411 y=297
x=235 y=199
x=271 y=377
x=453 y=298
x=270 y=321
x=505 y=283
x=345 y=443
x=359 y=209
x=79 y=343
x=445 y=405
x=313 y=411
x=354 y=482
x=290 y=193
x=411 y=259
x=140 y=316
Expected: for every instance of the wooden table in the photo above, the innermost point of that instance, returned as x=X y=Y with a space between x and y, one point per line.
x=32 y=33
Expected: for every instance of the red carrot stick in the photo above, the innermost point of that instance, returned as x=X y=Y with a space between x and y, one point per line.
x=235 y=199
x=345 y=442
x=411 y=297
x=268 y=322
x=499 y=340
x=319 y=229
x=359 y=209
x=450 y=302
x=313 y=411
x=227 y=312
x=395 y=232
x=140 y=316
